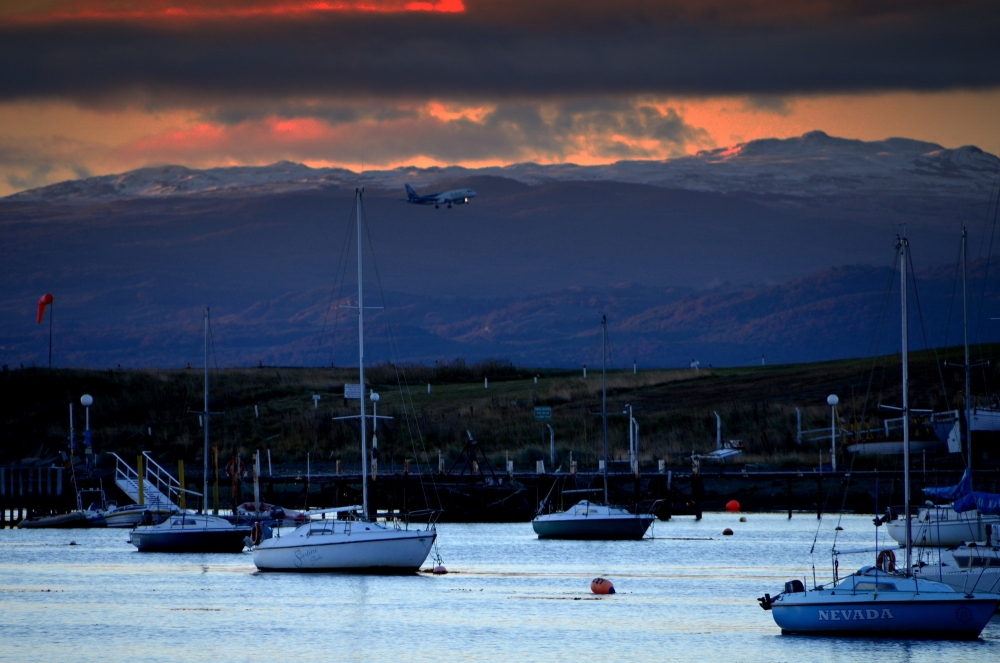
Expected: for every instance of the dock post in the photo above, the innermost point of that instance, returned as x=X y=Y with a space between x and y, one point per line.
x=183 y=485
x=819 y=497
x=789 y=496
x=699 y=491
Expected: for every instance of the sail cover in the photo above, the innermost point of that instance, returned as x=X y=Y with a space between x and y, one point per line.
x=988 y=504
x=952 y=493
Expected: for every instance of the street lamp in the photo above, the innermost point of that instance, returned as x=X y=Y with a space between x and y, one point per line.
x=832 y=401
x=86 y=401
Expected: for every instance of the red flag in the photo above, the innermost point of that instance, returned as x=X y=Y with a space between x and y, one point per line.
x=42 y=303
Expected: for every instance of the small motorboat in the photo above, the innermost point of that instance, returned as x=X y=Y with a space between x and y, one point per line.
x=262 y=511
x=587 y=520
x=73 y=519
x=134 y=514
x=191 y=533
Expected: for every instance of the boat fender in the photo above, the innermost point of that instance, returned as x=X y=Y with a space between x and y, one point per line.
x=601 y=586
x=256 y=534
x=765 y=601
x=439 y=570
x=886 y=561
x=236 y=468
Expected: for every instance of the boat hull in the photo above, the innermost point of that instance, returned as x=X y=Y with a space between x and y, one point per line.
x=960 y=618
x=131 y=517
x=191 y=541
x=942 y=533
x=892 y=448
x=621 y=528
x=72 y=520
x=385 y=551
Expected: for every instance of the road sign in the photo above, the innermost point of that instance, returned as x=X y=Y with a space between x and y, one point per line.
x=543 y=413
x=352 y=391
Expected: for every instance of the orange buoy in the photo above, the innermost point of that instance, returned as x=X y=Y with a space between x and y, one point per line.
x=601 y=586
x=732 y=506
x=439 y=570
x=727 y=532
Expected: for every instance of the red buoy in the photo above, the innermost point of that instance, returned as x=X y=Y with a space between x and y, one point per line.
x=732 y=506
x=601 y=586
x=439 y=570
x=727 y=532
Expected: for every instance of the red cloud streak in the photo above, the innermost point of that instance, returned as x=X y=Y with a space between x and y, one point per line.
x=188 y=10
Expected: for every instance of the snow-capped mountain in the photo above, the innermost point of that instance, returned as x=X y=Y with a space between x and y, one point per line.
x=814 y=164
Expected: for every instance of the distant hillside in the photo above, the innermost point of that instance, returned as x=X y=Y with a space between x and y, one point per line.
x=719 y=257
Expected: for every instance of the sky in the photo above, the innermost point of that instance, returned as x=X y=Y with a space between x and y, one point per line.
x=92 y=87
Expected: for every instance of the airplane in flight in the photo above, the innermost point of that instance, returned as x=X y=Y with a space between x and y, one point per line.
x=456 y=197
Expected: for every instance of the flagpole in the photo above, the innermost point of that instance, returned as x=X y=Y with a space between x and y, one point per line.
x=51 y=308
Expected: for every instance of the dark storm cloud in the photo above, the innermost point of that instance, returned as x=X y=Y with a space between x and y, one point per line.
x=766 y=48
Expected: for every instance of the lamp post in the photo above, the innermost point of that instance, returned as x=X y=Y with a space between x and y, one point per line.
x=832 y=401
x=86 y=401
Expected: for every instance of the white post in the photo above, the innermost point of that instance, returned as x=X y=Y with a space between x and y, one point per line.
x=635 y=366
x=428 y=387
x=635 y=468
x=832 y=400
x=552 y=445
x=718 y=431
x=486 y=383
x=256 y=482
x=584 y=371
x=798 y=426
x=269 y=472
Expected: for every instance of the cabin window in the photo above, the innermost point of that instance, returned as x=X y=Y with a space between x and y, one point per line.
x=875 y=587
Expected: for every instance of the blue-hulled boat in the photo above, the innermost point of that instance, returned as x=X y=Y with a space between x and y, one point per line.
x=883 y=602
x=872 y=602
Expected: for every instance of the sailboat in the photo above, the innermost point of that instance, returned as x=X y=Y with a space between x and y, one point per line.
x=193 y=532
x=884 y=601
x=944 y=526
x=587 y=520
x=356 y=543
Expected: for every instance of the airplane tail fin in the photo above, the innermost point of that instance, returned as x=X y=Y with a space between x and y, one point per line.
x=410 y=192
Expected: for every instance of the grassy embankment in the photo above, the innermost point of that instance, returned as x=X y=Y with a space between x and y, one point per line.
x=151 y=410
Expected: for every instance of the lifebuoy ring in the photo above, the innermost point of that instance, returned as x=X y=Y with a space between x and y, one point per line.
x=886 y=561
x=256 y=534
x=236 y=468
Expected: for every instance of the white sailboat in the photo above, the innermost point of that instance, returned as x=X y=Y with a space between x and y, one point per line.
x=587 y=520
x=187 y=532
x=357 y=543
x=943 y=526
x=885 y=602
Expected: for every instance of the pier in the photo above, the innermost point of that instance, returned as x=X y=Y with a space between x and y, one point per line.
x=515 y=496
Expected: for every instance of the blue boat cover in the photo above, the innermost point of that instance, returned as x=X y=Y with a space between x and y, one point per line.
x=952 y=493
x=987 y=503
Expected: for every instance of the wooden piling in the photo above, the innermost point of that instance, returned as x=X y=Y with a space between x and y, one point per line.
x=819 y=496
x=698 y=488
x=789 y=496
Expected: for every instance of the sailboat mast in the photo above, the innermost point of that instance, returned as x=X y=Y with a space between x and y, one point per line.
x=906 y=406
x=361 y=365
x=968 y=366
x=604 y=398
x=204 y=473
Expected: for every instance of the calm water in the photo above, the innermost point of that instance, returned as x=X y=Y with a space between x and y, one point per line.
x=686 y=594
